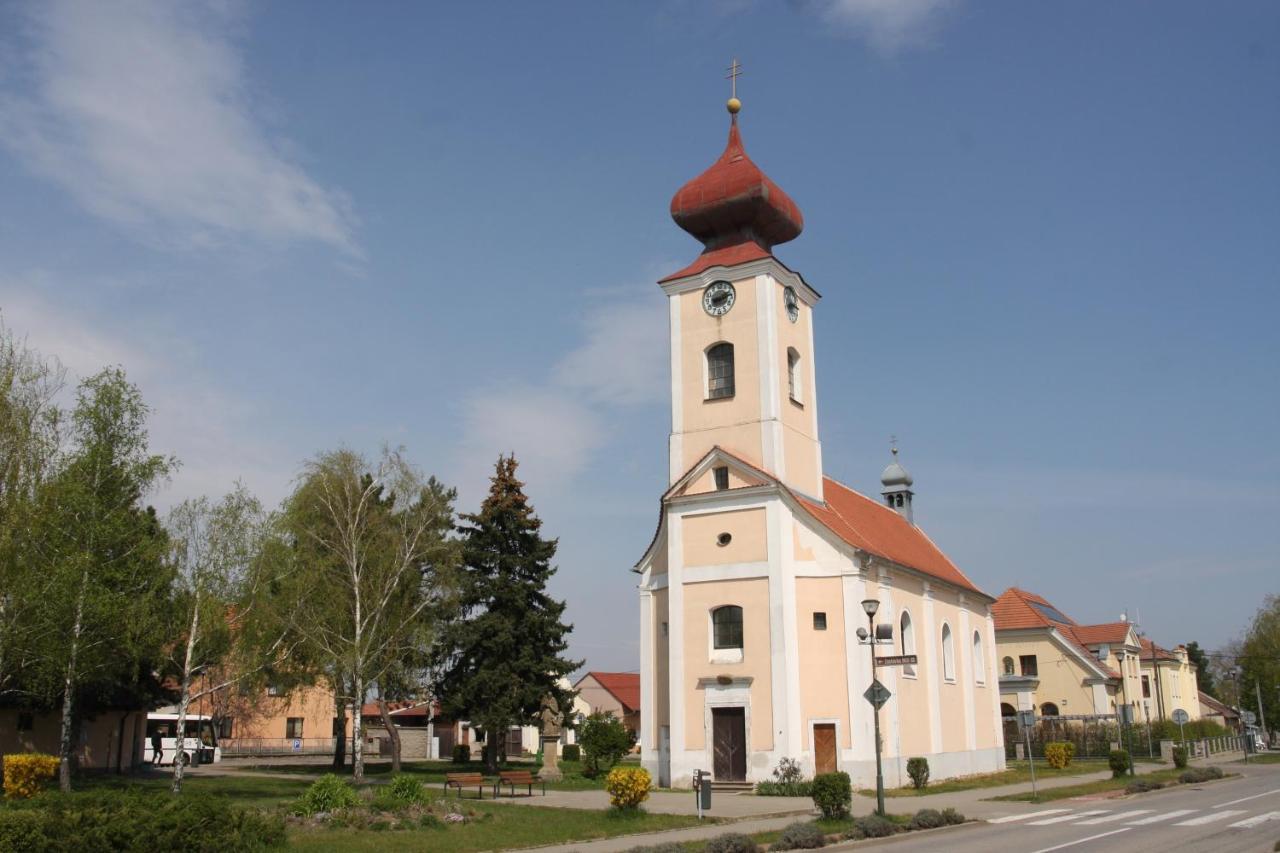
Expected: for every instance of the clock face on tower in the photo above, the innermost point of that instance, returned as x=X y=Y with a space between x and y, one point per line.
x=791 y=302
x=718 y=298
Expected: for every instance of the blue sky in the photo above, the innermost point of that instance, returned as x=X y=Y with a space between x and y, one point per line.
x=1046 y=235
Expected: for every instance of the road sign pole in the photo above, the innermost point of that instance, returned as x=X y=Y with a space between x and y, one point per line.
x=1031 y=759
x=871 y=620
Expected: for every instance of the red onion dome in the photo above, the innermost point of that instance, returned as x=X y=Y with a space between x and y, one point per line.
x=734 y=202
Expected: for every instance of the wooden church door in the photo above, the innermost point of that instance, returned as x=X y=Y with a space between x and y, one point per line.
x=824 y=748
x=729 y=742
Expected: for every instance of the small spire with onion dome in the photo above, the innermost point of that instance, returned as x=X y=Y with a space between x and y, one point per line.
x=896 y=483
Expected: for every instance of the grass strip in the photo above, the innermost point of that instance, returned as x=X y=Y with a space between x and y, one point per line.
x=1101 y=786
x=1018 y=772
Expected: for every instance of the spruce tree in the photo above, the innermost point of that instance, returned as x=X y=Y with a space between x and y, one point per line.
x=501 y=659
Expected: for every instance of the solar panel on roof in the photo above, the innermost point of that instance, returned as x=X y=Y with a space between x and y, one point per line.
x=1051 y=613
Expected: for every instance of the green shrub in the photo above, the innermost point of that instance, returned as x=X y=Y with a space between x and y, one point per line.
x=731 y=842
x=1118 y=760
x=668 y=847
x=327 y=794
x=832 y=793
x=874 y=826
x=800 y=836
x=407 y=789
x=853 y=833
x=1141 y=786
x=572 y=752
x=1180 y=757
x=927 y=819
x=1200 y=774
x=952 y=817
x=788 y=771
x=112 y=820
x=461 y=753
x=784 y=789
x=430 y=821
x=604 y=741
x=918 y=770
x=1058 y=754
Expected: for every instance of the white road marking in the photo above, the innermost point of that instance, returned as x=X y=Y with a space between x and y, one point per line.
x=1209 y=818
x=1065 y=818
x=1159 y=817
x=1082 y=840
x=1247 y=799
x=1113 y=817
x=1013 y=817
x=1248 y=823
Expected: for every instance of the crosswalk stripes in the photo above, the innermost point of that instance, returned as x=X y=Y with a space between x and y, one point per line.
x=1111 y=818
x=1011 y=818
x=1159 y=818
x=1210 y=818
x=1066 y=817
x=1256 y=820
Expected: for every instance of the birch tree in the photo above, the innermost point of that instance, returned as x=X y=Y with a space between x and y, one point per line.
x=224 y=569
x=100 y=554
x=30 y=422
x=375 y=562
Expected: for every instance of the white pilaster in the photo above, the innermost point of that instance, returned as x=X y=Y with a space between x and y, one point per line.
x=891 y=714
x=931 y=653
x=853 y=589
x=676 y=449
x=967 y=675
x=676 y=687
x=993 y=679
x=812 y=403
x=771 y=440
x=781 y=532
x=648 y=717
x=780 y=672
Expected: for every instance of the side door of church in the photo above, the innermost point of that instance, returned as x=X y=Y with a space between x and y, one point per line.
x=729 y=742
x=824 y=748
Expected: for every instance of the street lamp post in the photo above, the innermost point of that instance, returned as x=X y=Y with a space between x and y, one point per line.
x=871 y=605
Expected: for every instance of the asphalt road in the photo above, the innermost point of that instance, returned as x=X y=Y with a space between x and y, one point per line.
x=1231 y=816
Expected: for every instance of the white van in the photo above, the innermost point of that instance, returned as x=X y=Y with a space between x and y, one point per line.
x=199 y=746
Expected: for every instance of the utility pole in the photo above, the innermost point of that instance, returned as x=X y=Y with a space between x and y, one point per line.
x=1262 y=716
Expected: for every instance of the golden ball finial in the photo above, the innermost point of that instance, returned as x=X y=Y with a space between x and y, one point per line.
x=734 y=105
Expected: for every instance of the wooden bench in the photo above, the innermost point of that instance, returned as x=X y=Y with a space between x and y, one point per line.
x=464 y=780
x=512 y=778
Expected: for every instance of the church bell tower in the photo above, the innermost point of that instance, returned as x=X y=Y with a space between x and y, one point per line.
x=742 y=356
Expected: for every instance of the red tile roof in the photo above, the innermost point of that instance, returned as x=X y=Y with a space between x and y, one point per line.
x=1162 y=654
x=724 y=257
x=871 y=526
x=1013 y=609
x=624 y=686
x=1110 y=632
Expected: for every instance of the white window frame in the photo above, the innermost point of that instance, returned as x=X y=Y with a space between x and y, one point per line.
x=795 y=376
x=948 y=654
x=908 y=640
x=979 y=659
x=725 y=655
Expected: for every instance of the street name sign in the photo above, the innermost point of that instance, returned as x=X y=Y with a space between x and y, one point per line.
x=1180 y=716
x=897 y=660
x=877 y=694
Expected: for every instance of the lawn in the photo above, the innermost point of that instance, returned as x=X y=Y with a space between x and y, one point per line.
x=490 y=825
x=1099 y=787
x=432 y=773
x=1017 y=772
x=828 y=827
x=1264 y=758
x=493 y=826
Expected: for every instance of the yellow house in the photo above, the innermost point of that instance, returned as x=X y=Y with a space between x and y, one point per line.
x=1061 y=668
x=752 y=589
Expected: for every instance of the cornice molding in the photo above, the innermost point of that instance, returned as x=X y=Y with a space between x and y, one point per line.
x=769 y=266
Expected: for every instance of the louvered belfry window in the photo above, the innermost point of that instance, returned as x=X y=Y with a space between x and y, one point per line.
x=720 y=371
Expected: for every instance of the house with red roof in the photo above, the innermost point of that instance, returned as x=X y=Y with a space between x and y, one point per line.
x=1060 y=668
x=616 y=693
x=756 y=585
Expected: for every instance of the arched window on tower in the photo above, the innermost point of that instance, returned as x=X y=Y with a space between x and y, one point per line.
x=907 y=637
x=948 y=654
x=726 y=624
x=795 y=379
x=720 y=371
x=979 y=660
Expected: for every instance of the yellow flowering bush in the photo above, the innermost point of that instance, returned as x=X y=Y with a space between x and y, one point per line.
x=1059 y=754
x=24 y=774
x=628 y=787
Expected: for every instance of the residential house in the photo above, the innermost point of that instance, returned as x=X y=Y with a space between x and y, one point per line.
x=617 y=693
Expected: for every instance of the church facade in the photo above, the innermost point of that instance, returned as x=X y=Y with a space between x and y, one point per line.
x=752 y=590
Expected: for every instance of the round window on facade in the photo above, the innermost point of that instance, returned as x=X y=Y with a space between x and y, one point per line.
x=724 y=539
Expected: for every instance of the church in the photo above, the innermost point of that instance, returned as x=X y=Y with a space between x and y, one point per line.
x=762 y=570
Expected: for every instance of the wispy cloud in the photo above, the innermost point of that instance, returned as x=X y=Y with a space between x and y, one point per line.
x=888 y=26
x=140 y=110
x=556 y=425
x=214 y=432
